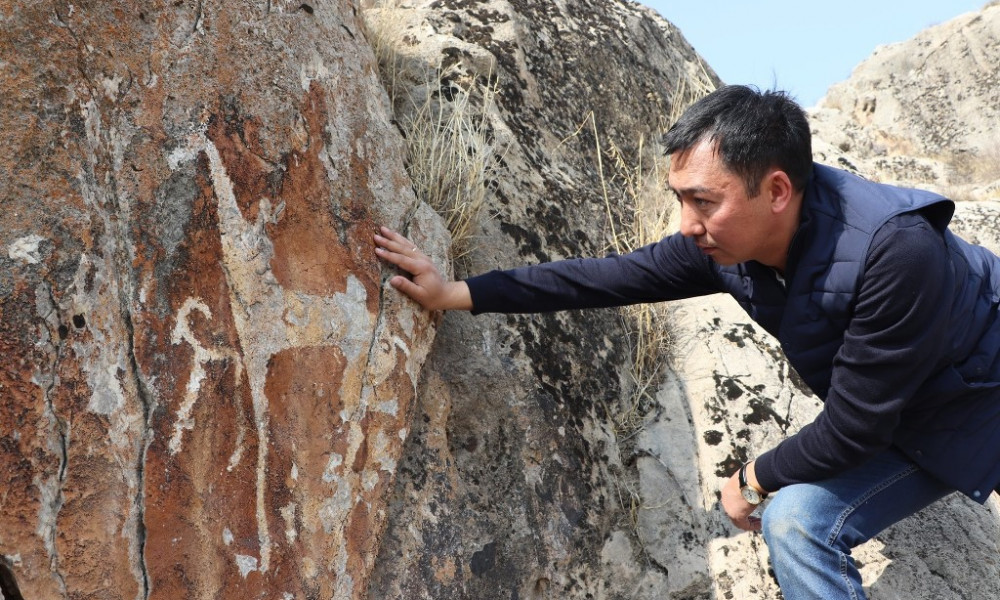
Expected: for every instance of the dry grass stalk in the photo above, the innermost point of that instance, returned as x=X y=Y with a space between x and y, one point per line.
x=985 y=167
x=642 y=199
x=452 y=155
x=386 y=35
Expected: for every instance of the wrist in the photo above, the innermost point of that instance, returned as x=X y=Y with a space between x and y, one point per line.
x=751 y=477
x=457 y=296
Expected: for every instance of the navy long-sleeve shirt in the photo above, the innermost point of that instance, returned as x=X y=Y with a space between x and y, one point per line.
x=890 y=347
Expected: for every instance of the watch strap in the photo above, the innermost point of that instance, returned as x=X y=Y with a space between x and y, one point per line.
x=744 y=483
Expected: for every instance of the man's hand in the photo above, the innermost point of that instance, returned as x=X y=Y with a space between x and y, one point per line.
x=427 y=286
x=738 y=509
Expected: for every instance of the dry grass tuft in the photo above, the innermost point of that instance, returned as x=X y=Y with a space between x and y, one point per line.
x=452 y=154
x=640 y=196
x=637 y=190
x=985 y=165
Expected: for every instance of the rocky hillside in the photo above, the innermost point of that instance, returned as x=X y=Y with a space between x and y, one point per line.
x=924 y=111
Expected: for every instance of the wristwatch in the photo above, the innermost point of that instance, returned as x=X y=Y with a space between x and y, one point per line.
x=750 y=493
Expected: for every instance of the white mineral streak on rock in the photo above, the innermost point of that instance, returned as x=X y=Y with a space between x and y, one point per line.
x=330 y=474
x=385 y=452
x=313 y=70
x=288 y=515
x=101 y=358
x=389 y=407
x=345 y=583
x=26 y=249
x=49 y=492
x=246 y=564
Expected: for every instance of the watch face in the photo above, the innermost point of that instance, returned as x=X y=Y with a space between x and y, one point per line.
x=750 y=495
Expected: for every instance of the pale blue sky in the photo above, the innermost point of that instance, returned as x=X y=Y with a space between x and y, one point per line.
x=796 y=45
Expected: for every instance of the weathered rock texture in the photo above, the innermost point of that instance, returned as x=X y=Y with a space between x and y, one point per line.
x=924 y=111
x=205 y=391
x=517 y=482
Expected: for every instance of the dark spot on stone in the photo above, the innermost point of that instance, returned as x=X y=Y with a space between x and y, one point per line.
x=731 y=463
x=63 y=332
x=735 y=338
x=307 y=8
x=729 y=388
x=713 y=437
x=79 y=322
x=760 y=411
x=484 y=560
x=573 y=514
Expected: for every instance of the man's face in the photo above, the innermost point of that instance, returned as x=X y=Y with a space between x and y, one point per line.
x=715 y=210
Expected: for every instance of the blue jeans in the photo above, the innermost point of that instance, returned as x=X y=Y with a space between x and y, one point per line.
x=810 y=528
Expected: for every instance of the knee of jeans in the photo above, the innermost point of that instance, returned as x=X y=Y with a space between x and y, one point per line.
x=788 y=518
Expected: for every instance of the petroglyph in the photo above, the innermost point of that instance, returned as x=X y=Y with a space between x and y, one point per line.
x=202 y=356
x=268 y=319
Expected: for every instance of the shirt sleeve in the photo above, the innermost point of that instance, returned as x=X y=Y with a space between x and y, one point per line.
x=670 y=269
x=892 y=344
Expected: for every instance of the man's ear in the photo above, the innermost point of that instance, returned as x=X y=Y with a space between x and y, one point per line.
x=779 y=190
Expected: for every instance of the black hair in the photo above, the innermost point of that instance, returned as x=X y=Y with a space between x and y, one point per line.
x=755 y=131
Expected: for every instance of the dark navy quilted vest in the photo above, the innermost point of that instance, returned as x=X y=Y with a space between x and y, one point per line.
x=841 y=213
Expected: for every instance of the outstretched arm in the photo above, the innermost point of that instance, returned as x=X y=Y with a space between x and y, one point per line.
x=427 y=287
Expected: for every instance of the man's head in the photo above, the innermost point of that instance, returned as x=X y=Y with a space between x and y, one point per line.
x=753 y=131
x=740 y=160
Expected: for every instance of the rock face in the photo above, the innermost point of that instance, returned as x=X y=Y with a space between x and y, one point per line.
x=924 y=111
x=205 y=391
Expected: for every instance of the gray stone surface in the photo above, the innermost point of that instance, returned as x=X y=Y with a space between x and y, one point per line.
x=514 y=484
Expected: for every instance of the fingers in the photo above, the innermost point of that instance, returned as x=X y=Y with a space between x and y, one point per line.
x=408 y=287
x=409 y=264
x=747 y=523
x=400 y=251
x=394 y=242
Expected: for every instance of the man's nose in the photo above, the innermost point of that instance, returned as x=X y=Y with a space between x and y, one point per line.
x=691 y=225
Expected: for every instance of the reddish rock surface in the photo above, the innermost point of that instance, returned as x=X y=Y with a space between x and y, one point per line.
x=204 y=391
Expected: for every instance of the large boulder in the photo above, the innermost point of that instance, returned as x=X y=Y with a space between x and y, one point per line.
x=205 y=389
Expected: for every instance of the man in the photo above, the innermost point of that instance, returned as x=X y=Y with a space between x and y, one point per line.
x=890 y=319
